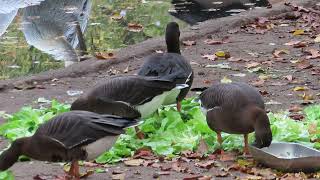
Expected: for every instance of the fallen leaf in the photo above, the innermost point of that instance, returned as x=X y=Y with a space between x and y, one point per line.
x=221 y=66
x=314 y=54
x=295 y=108
x=307 y=97
x=90 y=164
x=225 y=80
x=222 y=174
x=265 y=172
x=176 y=166
x=193 y=177
x=258 y=83
x=239 y=75
x=312 y=129
x=277 y=53
x=251 y=177
x=298 y=32
x=304 y=65
x=233 y=59
x=202 y=147
x=289 y=77
x=252 y=64
x=133 y=27
x=134 y=162
x=205 y=178
x=222 y=54
x=189 y=43
x=211 y=57
x=104 y=55
x=226 y=156
x=297 y=44
x=296 y=117
x=206 y=165
x=317 y=39
x=300 y=88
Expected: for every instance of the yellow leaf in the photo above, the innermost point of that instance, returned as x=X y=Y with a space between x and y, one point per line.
x=264 y=77
x=298 y=32
x=220 y=54
x=226 y=80
x=317 y=39
x=300 y=88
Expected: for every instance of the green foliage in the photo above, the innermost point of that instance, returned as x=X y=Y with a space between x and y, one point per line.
x=26 y=121
x=6 y=175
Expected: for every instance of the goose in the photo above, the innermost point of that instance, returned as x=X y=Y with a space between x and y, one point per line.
x=9 y=10
x=171 y=65
x=236 y=108
x=57 y=27
x=69 y=137
x=128 y=96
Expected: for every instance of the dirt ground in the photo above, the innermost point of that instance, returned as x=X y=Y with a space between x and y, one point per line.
x=256 y=46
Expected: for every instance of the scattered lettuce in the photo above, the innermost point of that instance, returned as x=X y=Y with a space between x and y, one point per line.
x=169 y=132
x=6 y=175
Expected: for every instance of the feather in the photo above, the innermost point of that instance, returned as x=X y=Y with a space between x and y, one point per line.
x=78 y=128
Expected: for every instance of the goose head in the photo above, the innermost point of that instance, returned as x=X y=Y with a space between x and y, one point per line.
x=11 y=155
x=172 y=37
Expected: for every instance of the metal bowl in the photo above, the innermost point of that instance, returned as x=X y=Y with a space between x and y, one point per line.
x=288 y=157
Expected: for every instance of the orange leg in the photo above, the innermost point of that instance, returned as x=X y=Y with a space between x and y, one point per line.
x=219 y=137
x=179 y=106
x=246 y=145
x=74 y=170
x=140 y=134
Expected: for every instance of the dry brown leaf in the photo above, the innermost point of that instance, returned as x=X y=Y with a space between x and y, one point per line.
x=134 y=162
x=134 y=27
x=176 y=166
x=258 y=83
x=297 y=117
x=104 y=55
x=304 y=65
x=222 y=174
x=206 y=165
x=252 y=65
x=210 y=57
x=289 y=77
x=277 y=53
x=226 y=156
x=297 y=44
x=189 y=43
x=295 y=108
x=307 y=97
x=314 y=54
x=119 y=176
x=193 y=177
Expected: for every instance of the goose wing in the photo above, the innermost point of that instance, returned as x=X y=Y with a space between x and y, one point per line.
x=78 y=128
x=169 y=66
x=134 y=90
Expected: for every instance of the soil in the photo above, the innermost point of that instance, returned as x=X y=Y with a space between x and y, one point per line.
x=244 y=42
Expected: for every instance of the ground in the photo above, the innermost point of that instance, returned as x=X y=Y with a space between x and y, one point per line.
x=286 y=75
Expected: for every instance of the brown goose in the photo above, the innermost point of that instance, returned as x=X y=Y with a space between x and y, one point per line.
x=71 y=136
x=128 y=96
x=171 y=65
x=237 y=108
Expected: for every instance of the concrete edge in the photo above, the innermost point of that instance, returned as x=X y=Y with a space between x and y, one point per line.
x=146 y=47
